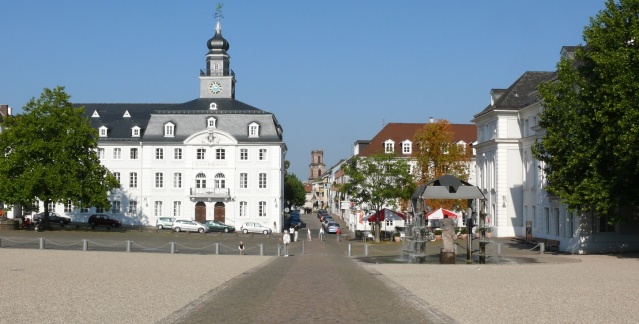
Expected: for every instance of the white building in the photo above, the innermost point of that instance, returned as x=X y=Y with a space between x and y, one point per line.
x=513 y=180
x=213 y=157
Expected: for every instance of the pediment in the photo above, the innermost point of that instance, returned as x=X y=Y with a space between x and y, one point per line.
x=211 y=137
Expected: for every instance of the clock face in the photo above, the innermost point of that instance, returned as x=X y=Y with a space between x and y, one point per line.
x=215 y=87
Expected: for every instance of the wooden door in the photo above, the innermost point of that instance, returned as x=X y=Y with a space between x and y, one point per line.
x=219 y=212
x=200 y=211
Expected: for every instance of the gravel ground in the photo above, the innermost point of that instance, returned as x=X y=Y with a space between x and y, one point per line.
x=593 y=289
x=108 y=287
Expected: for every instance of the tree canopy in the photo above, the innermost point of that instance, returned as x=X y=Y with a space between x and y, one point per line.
x=436 y=155
x=590 y=151
x=379 y=180
x=294 y=190
x=48 y=153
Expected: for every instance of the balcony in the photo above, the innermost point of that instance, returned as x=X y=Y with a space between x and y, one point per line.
x=210 y=194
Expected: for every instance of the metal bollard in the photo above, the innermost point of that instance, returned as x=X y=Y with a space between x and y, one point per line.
x=85 y=245
x=279 y=250
x=338 y=237
x=498 y=248
x=128 y=245
x=455 y=248
x=261 y=248
x=42 y=243
x=365 y=249
x=542 y=247
x=0 y=242
x=172 y=247
x=302 y=247
x=350 y=251
x=217 y=248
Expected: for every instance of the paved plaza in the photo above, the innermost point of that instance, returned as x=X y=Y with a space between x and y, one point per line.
x=318 y=283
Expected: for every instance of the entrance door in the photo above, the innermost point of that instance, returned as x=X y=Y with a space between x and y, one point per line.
x=200 y=211
x=219 y=212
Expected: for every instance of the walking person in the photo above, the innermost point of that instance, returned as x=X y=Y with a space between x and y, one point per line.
x=286 y=239
x=321 y=234
x=292 y=231
x=297 y=231
x=309 y=236
x=241 y=248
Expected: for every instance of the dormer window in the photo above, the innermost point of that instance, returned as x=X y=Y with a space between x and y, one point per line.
x=169 y=130
x=254 y=130
x=103 y=130
x=407 y=147
x=135 y=131
x=211 y=122
x=389 y=146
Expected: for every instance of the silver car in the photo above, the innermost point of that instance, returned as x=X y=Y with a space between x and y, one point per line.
x=254 y=227
x=188 y=225
x=332 y=227
x=164 y=222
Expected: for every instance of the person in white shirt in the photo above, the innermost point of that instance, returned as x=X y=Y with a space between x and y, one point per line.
x=321 y=234
x=286 y=239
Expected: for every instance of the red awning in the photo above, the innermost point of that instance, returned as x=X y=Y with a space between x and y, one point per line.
x=440 y=213
x=385 y=213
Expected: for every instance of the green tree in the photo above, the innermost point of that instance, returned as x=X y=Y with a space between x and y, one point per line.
x=294 y=192
x=437 y=154
x=379 y=180
x=48 y=153
x=590 y=151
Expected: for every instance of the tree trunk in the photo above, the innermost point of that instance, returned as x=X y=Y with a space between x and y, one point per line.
x=45 y=217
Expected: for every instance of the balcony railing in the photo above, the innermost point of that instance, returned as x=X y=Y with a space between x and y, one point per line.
x=204 y=193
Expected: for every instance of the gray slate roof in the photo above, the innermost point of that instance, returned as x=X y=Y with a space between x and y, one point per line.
x=520 y=94
x=232 y=116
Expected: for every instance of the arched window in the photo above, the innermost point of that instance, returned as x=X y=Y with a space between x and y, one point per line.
x=220 y=182
x=200 y=180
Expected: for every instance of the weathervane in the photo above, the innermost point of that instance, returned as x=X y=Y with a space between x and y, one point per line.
x=218 y=9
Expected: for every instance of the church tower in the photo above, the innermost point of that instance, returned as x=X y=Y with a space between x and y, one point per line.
x=317 y=167
x=218 y=80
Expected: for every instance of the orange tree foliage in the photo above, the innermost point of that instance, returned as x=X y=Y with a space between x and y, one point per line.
x=436 y=155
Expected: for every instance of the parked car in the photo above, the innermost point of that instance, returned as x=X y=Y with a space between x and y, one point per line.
x=188 y=225
x=103 y=220
x=53 y=218
x=253 y=227
x=217 y=226
x=295 y=219
x=321 y=213
x=164 y=222
x=332 y=227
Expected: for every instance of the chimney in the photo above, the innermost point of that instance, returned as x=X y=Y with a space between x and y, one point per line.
x=4 y=110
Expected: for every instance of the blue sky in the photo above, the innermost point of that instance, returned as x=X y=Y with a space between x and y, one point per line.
x=332 y=71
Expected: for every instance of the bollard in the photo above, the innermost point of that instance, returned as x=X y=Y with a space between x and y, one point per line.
x=302 y=247
x=85 y=245
x=261 y=248
x=350 y=251
x=128 y=245
x=217 y=248
x=42 y=243
x=279 y=250
x=365 y=249
x=455 y=248
x=0 y=242
x=172 y=247
x=542 y=247
x=498 y=248
x=337 y=237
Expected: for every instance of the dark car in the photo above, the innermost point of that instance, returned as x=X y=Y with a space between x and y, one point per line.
x=103 y=220
x=53 y=218
x=217 y=226
x=321 y=213
x=295 y=219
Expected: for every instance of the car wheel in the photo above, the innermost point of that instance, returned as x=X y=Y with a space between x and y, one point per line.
x=200 y=230
x=177 y=229
x=226 y=230
x=160 y=227
x=245 y=231
x=265 y=232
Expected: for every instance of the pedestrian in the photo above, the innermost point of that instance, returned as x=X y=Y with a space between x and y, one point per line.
x=297 y=231
x=321 y=234
x=292 y=231
x=241 y=248
x=286 y=239
x=338 y=233
x=309 y=236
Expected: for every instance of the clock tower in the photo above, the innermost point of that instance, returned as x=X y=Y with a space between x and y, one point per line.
x=217 y=80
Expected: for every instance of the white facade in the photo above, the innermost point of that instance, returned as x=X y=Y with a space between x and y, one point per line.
x=210 y=158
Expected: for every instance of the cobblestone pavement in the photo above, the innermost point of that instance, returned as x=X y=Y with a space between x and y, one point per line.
x=323 y=285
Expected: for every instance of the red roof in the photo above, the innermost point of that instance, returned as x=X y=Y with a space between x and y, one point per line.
x=385 y=213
